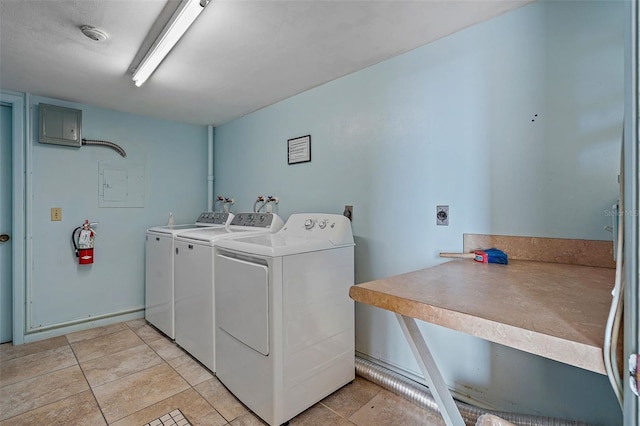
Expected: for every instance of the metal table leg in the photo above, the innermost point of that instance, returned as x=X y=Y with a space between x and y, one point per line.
x=432 y=375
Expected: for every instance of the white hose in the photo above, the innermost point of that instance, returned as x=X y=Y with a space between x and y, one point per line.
x=612 y=328
x=260 y=199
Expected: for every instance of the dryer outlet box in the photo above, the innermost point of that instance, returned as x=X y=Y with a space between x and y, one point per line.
x=348 y=212
x=442 y=215
x=60 y=125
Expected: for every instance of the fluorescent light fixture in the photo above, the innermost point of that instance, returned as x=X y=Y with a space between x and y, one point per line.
x=179 y=23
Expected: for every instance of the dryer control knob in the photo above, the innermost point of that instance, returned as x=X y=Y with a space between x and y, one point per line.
x=323 y=223
x=308 y=224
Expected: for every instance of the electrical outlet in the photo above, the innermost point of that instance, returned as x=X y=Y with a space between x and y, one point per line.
x=348 y=212
x=56 y=214
x=442 y=215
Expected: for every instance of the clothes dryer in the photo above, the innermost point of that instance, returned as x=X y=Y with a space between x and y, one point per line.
x=159 y=270
x=285 y=321
x=194 y=280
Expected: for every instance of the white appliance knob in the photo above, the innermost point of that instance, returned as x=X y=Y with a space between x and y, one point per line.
x=323 y=223
x=308 y=224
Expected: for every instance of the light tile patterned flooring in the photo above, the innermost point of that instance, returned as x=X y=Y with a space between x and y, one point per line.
x=130 y=374
x=174 y=418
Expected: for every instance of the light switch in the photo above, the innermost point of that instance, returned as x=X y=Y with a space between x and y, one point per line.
x=56 y=213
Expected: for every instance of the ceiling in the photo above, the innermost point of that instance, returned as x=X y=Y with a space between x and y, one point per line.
x=237 y=57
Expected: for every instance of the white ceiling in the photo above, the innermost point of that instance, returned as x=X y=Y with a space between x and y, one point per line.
x=238 y=56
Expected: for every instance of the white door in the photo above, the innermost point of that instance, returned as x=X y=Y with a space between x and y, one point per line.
x=6 y=206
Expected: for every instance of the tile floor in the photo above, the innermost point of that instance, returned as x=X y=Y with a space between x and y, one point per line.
x=130 y=374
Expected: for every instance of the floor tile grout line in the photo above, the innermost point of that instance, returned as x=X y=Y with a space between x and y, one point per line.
x=57 y=400
x=37 y=375
x=176 y=371
x=193 y=387
x=95 y=399
x=42 y=407
x=164 y=361
x=129 y=375
x=91 y=338
x=210 y=404
x=338 y=414
x=160 y=334
x=128 y=327
x=107 y=334
x=359 y=408
x=30 y=353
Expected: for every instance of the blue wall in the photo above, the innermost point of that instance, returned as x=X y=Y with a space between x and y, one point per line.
x=60 y=292
x=514 y=123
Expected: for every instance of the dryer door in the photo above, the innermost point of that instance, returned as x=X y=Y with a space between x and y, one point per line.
x=242 y=301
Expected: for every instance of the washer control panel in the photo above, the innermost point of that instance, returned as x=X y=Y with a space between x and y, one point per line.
x=213 y=218
x=335 y=228
x=320 y=223
x=259 y=220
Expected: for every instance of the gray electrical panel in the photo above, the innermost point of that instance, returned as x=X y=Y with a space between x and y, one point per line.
x=60 y=125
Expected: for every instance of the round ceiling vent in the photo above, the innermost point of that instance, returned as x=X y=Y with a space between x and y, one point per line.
x=93 y=33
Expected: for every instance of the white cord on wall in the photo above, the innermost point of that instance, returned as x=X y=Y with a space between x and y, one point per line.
x=612 y=328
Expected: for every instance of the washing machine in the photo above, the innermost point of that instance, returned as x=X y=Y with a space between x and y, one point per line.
x=194 y=280
x=285 y=321
x=159 y=268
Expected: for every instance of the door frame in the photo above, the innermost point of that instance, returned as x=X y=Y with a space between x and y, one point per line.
x=17 y=103
x=631 y=144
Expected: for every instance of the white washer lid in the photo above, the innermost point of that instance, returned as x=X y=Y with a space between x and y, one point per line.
x=211 y=236
x=176 y=229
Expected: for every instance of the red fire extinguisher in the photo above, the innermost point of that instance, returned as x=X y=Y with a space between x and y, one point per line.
x=83 y=242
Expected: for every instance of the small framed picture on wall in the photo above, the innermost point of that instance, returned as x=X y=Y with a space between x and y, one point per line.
x=299 y=150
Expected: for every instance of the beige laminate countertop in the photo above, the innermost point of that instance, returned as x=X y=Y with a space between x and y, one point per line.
x=554 y=310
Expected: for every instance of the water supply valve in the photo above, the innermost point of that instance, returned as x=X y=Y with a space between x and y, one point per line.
x=268 y=203
x=219 y=199
x=227 y=201
x=260 y=199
